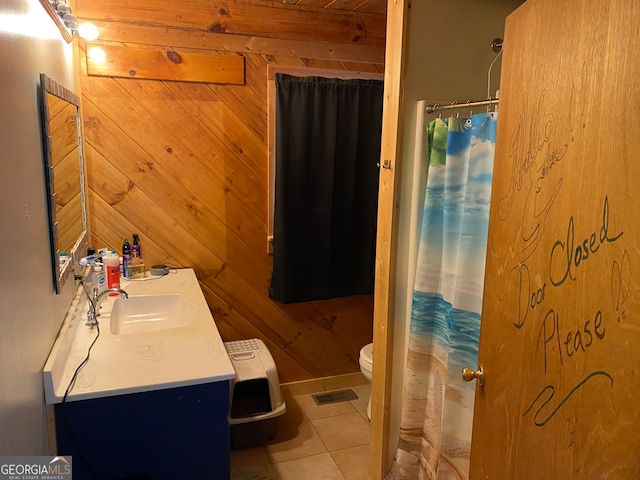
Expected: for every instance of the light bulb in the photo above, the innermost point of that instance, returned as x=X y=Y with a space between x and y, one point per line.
x=96 y=55
x=88 y=31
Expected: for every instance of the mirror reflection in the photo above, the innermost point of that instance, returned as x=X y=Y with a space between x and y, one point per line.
x=63 y=164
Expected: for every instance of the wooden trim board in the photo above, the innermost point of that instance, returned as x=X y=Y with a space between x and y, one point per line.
x=52 y=441
x=387 y=237
x=245 y=44
x=165 y=64
x=325 y=384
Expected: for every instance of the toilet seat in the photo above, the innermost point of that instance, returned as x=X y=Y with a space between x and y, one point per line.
x=366 y=357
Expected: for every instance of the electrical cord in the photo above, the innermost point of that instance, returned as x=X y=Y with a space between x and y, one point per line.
x=82 y=364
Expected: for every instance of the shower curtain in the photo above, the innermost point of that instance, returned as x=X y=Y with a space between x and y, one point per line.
x=437 y=406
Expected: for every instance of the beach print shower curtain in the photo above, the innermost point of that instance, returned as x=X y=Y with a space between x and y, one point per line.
x=437 y=406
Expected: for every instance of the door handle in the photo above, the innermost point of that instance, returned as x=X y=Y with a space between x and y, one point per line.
x=468 y=375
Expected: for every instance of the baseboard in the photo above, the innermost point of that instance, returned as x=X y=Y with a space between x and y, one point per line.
x=324 y=384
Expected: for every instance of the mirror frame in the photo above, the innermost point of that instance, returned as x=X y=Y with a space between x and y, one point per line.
x=60 y=271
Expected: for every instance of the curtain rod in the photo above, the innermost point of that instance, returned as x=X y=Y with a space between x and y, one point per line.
x=436 y=106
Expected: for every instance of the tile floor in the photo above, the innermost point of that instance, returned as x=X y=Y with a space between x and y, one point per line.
x=313 y=442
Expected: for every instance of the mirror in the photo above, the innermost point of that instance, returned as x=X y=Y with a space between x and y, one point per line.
x=64 y=180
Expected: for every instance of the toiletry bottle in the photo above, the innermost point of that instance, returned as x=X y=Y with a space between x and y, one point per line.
x=112 y=264
x=90 y=277
x=99 y=280
x=101 y=252
x=135 y=248
x=126 y=259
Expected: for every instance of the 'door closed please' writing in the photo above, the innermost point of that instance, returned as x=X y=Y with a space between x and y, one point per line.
x=560 y=334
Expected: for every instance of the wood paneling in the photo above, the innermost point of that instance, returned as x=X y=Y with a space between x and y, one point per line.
x=372 y=6
x=259 y=18
x=164 y=64
x=177 y=37
x=185 y=165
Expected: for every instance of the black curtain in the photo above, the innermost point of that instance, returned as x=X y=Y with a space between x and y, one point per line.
x=328 y=135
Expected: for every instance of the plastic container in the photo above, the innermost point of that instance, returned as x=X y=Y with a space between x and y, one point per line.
x=256 y=400
x=112 y=265
x=98 y=279
x=138 y=269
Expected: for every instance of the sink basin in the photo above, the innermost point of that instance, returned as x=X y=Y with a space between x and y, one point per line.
x=148 y=313
x=163 y=336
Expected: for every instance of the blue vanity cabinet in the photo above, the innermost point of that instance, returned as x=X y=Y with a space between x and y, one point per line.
x=170 y=434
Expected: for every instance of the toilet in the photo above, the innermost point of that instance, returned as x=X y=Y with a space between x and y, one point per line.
x=366 y=367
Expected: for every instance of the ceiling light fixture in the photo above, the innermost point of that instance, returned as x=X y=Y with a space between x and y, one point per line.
x=63 y=10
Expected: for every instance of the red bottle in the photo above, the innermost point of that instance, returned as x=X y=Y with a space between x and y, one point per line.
x=112 y=266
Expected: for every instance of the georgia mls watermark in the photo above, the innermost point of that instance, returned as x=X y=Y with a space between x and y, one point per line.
x=35 y=468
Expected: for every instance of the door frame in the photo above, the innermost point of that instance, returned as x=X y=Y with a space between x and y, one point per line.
x=397 y=36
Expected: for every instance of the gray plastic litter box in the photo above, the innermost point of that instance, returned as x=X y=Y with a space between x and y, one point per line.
x=256 y=400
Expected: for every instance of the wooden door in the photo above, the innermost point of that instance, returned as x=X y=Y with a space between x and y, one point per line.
x=560 y=335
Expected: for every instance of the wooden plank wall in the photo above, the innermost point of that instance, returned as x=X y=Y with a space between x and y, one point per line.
x=185 y=164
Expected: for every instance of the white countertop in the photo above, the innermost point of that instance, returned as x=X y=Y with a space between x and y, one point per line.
x=141 y=362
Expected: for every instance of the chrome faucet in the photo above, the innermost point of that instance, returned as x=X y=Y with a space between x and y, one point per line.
x=94 y=303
